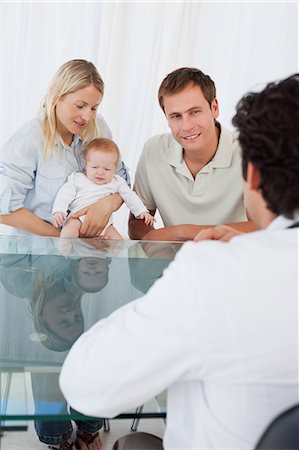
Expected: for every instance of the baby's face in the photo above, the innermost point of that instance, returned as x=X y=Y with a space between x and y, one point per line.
x=92 y=274
x=100 y=166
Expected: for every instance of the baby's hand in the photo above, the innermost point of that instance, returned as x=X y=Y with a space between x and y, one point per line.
x=58 y=219
x=148 y=218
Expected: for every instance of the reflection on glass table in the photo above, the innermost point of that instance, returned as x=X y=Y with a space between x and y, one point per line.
x=47 y=299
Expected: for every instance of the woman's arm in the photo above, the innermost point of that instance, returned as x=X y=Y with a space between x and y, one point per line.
x=98 y=214
x=26 y=220
x=20 y=160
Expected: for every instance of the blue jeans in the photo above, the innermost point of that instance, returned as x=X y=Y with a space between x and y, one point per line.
x=56 y=432
x=48 y=398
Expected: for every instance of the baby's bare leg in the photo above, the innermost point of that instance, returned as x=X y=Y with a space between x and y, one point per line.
x=71 y=228
x=112 y=233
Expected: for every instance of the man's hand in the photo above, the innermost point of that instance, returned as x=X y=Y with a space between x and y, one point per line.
x=222 y=233
x=160 y=250
x=97 y=215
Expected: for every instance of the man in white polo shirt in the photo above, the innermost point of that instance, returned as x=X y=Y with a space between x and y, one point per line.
x=193 y=175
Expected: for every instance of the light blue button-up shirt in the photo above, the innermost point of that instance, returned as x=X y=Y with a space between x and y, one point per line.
x=28 y=179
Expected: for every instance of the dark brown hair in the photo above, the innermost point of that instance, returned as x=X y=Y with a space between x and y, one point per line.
x=268 y=133
x=177 y=80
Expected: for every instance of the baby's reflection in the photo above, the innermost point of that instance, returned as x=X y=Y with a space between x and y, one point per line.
x=92 y=273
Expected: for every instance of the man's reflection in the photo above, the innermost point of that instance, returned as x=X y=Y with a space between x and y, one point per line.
x=148 y=260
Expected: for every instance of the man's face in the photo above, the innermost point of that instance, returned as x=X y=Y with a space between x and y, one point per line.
x=191 y=118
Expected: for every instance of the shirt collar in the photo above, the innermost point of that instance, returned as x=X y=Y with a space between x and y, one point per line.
x=224 y=154
x=58 y=141
x=174 y=155
x=222 y=157
x=281 y=222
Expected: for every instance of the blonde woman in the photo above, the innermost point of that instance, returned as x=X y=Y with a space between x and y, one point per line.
x=39 y=157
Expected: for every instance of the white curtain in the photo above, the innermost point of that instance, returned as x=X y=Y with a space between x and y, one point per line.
x=134 y=45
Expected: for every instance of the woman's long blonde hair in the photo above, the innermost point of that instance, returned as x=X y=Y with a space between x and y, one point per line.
x=40 y=295
x=70 y=77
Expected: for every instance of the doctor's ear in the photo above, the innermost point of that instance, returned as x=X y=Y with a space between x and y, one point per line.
x=253 y=177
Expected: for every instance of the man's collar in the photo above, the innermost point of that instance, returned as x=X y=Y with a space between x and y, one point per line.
x=281 y=222
x=224 y=154
x=222 y=158
x=174 y=155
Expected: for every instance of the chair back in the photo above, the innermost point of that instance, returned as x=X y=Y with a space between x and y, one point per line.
x=282 y=433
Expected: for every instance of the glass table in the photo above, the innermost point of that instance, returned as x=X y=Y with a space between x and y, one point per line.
x=52 y=290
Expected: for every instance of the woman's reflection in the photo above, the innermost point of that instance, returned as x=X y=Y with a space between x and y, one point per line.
x=54 y=286
x=57 y=315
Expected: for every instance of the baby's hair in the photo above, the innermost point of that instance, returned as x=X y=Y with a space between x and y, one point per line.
x=104 y=145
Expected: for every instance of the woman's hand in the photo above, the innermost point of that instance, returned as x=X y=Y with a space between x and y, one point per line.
x=97 y=215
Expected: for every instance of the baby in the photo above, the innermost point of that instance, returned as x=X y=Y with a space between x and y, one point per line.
x=101 y=158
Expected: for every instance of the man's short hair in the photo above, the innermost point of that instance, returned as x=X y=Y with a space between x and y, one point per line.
x=177 y=80
x=268 y=133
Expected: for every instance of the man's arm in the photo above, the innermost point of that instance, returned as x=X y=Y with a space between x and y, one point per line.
x=26 y=220
x=183 y=232
x=137 y=229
